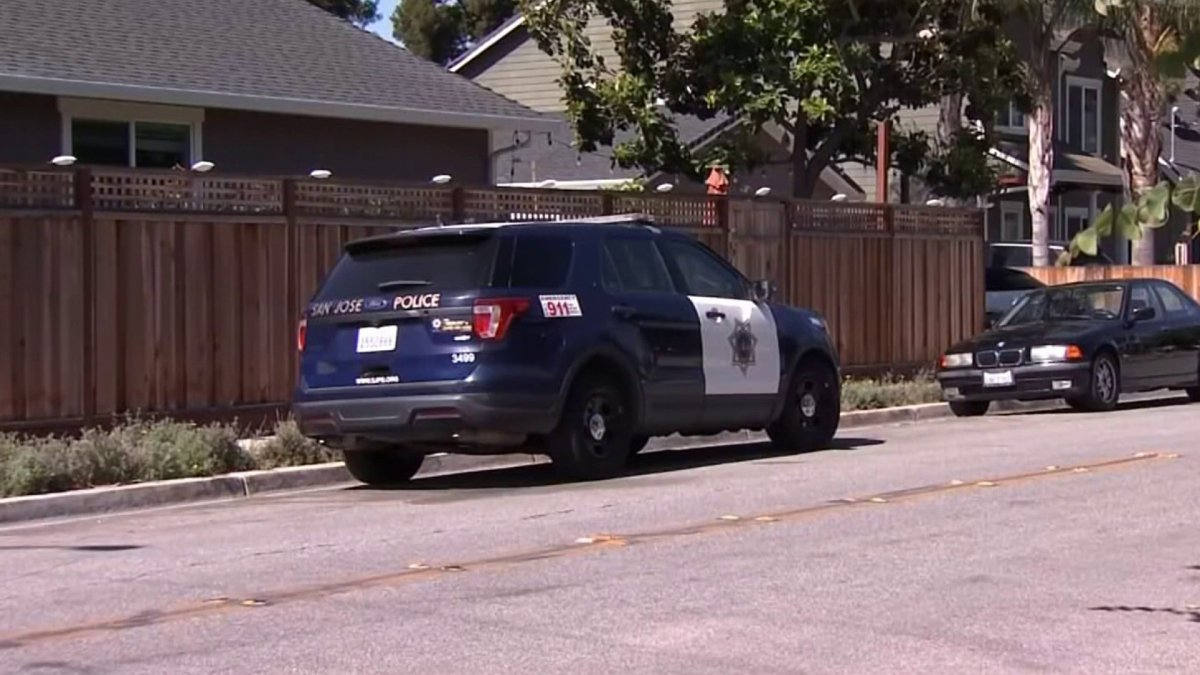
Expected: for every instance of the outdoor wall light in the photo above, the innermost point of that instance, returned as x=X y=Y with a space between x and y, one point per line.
x=665 y=187
x=321 y=174
x=63 y=160
x=548 y=183
x=442 y=178
x=935 y=202
x=762 y=191
x=839 y=197
x=203 y=166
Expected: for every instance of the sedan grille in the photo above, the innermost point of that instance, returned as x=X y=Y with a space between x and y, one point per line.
x=995 y=358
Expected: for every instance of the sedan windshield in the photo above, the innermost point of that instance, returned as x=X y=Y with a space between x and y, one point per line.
x=1096 y=303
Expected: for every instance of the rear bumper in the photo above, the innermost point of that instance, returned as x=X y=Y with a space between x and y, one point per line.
x=466 y=419
x=1029 y=382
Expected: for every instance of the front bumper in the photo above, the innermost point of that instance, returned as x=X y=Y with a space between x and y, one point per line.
x=459 y=419
x=1028 y=382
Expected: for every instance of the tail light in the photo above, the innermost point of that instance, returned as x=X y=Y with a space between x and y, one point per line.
x=301 y=334
x=492 y=316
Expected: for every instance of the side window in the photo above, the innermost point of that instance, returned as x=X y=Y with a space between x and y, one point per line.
x=634 y=265
x=1140 y=296
x=541 y=261
x=703 y=274
x=1175 y=304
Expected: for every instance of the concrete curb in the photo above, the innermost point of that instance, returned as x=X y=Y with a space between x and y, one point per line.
x=111 y=499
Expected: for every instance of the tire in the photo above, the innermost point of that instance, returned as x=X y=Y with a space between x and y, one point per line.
x=594 y=437
x=970 y=408
x=638 y=444
x=1193 y=394
x=384 y=466
x=811 y=411
x=1104 y=386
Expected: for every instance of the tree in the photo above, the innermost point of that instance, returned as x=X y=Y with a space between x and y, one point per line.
x=441 y=30
x=359 y=12
x=1152 y=42
x=822 y=73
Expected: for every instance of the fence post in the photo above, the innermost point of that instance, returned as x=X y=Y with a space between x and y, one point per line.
x=785 y=260
x=458 y=204
x=85 y=204
x=606 y=203
x=891 y=290
x=723 y=223
x=291 y=261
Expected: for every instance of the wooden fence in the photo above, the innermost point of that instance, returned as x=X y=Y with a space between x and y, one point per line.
x=178 y=293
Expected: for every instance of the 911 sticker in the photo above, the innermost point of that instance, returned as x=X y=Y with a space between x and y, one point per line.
x=560 y=306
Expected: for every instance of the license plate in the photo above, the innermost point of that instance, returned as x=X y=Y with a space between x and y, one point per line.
x=376 y=339
x=1000 y=379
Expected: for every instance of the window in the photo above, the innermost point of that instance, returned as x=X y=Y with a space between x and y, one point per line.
x=1082 y=112
x=1012 y=222
x=1004 y=279
x=1139 y=296
x=426 y=265
x=1077 y=218
x=1097 y=302
x=1010 y=118
x=541 y=261
x=1175 y=304
x=634 y=265
x=703 y=273
x=112 y=133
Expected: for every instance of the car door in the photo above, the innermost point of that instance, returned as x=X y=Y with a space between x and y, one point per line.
x=1144 y=364
x=740 y=339
x=655 y=321
x=1181 y=348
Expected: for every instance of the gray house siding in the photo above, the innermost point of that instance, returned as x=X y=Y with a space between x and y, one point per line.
x=30 y=130
x=260 y=143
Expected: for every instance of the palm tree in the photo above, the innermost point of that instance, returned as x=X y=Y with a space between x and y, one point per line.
x=1152 y=42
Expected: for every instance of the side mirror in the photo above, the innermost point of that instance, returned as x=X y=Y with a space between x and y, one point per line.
x=764 y=290
x=1143 y=314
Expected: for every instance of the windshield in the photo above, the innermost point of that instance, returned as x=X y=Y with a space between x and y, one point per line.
x=1101 y=303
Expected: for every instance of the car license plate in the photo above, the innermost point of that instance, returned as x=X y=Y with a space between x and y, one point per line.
x=376 y=339
x=1003 y=378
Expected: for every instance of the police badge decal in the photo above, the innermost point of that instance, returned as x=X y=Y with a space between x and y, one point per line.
x=743 y=342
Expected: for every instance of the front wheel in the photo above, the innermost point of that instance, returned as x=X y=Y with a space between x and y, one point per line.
x=811 y=411
x=1104 y=386
x=594 y=437
x=383 y=466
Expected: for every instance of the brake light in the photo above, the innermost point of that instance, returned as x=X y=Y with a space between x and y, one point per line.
x=301 y=334
x=492 y=316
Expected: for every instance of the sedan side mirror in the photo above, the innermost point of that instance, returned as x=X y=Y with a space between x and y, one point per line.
x=764 y=290
x=1143 y=314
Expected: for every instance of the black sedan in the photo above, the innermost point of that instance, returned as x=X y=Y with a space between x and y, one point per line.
x=1085 y=342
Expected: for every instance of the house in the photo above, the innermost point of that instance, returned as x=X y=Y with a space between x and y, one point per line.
x=265 y=87
x=509 y=62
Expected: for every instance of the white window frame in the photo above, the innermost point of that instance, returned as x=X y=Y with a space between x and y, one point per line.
x=130 y=113
x=1084 y=83
x=1019 y=209
x=1014 y=112
x=1075 y=212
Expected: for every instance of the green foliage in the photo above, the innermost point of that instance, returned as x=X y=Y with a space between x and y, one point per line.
x=825 y=72
x=359 y=12
x=441 y=30
x=289 y=447
x=1151 y=211
x=889 y=391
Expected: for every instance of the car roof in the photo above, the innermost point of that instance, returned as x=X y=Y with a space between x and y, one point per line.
x=616 y=222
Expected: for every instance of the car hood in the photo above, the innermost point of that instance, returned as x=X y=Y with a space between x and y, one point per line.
x=1042 y=332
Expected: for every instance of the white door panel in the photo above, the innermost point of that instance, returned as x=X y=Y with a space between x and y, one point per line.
x=741 y=346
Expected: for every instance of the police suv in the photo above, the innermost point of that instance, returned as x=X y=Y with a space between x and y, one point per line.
x=576 y=339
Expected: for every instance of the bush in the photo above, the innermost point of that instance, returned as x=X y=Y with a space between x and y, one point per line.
x=291 y=448
x=889 y=392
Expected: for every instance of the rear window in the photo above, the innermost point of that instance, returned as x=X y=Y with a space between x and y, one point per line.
x=1001 y=279
x=541 y=261
x=458 y=263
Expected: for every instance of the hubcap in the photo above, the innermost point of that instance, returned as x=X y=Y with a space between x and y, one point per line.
x=808 y=405
x=1106 y=380
x=596 y=427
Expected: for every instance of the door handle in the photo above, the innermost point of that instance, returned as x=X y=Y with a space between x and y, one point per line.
x=715 y=314
x=623 y=311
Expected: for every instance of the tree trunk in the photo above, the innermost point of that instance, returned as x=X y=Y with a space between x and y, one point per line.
x=802 y=184
x=949 y=126
x=1041 y=166
x=1142 y=101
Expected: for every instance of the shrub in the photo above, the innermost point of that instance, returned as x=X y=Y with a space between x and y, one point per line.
x=291 y=448
x=889 y=391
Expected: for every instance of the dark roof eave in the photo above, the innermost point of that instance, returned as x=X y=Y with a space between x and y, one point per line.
x=269 y=104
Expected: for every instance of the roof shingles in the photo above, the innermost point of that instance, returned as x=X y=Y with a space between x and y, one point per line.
x=286 y=49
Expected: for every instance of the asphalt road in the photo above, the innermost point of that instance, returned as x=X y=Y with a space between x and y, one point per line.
x=945 y=546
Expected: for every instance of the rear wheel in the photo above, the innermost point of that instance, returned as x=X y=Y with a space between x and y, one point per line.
x=1104 y=386
x=638 y=444
x=594 y=436
x=383 y=466
x=970 y=408
x=811 y=411
x=1193 y=393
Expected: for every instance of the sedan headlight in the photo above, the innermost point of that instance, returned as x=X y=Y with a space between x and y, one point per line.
x=956 y=360
x=1047 y=353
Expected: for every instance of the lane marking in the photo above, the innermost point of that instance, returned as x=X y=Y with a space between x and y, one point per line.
x=584 y=545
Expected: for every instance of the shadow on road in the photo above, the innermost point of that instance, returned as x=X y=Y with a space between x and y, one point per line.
x=88 y=548
x=659 y=462
x=1141 y=404
x=1190 y=614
